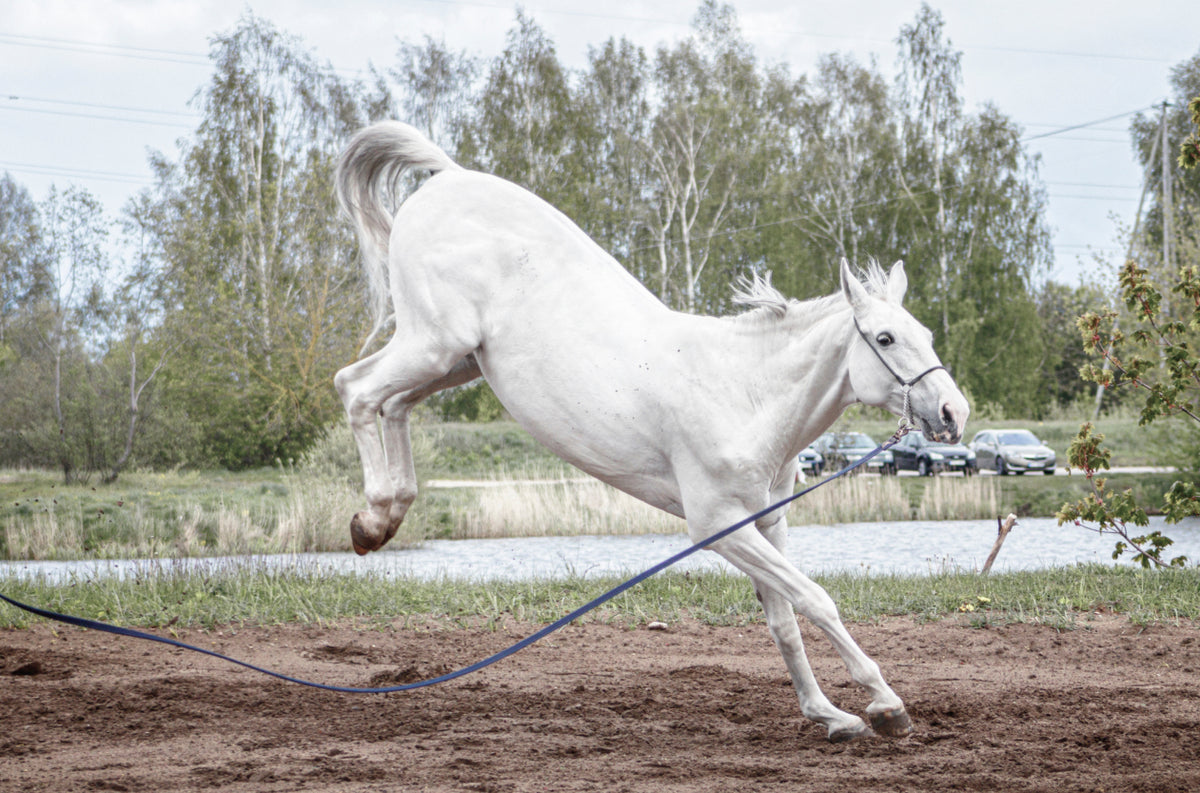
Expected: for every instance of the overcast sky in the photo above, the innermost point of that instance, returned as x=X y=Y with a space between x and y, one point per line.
x=88 y=87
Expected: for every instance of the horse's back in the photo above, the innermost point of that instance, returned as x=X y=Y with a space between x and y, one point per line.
x=504 y=234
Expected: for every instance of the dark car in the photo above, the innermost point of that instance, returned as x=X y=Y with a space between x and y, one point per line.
x=917 y=453
x=842 y=448
x=1013 y=451
x=811 y=461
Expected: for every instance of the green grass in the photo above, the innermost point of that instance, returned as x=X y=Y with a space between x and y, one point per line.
x=307 y=508
x=1061 y=596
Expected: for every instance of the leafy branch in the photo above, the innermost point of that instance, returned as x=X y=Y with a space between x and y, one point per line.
x=1106 y=511
x=1165 y=366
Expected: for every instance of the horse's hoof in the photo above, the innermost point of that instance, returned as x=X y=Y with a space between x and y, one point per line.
x=359 y=537
x=892 y=723
x=845 y=734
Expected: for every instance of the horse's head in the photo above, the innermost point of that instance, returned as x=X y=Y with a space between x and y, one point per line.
x=892 y=361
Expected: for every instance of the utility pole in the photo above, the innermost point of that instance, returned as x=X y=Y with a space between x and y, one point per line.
x=1168 y=209
x=1133 y=234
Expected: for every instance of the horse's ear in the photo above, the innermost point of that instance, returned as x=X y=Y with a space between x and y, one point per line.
x=852 y=288
x=897 y=283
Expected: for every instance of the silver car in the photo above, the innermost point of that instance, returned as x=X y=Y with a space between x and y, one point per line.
x=1012 y=451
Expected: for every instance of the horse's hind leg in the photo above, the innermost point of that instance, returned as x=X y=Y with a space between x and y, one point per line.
x=391 y=375
x=397 y=445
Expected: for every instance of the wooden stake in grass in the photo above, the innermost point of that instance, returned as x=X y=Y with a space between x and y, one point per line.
x=1002 y=530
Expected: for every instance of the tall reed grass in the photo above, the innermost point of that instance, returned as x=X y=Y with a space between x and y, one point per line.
x=523 y=506
x=166 y=515
x=312 y=515
x=531 y=508
x=951 y=498
x=853 y=499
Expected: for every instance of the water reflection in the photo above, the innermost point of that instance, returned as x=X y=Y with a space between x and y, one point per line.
x=910 y=547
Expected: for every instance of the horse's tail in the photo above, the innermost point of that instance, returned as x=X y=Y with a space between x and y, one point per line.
x=368 y=181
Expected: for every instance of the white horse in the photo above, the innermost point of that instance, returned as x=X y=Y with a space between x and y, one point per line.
x=700 y=416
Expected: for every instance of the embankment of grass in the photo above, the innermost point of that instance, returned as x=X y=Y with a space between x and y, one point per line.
x=1063 y=597
x=165 y=515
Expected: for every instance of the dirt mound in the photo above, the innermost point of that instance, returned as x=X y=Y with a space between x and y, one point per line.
x=1108 y=706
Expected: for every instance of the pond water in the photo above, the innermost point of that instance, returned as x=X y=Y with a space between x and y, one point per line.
x=917 y=547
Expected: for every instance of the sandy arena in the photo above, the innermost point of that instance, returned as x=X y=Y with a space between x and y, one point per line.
x=1106 y=707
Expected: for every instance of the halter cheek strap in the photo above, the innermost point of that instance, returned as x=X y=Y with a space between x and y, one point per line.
x=906 y=418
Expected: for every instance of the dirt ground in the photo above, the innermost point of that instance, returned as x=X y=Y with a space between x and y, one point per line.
x=1106 y=707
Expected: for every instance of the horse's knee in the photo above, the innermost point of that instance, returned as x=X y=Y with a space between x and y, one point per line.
x=343 y=381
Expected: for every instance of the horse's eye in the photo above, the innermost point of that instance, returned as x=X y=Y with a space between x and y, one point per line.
x=884 y=339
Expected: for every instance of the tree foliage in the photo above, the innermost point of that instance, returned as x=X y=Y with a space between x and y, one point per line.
x=1160 y=359
x=692 y=163
x=264 y=286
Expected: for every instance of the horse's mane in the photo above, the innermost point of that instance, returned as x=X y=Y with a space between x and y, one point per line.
x=766 y=302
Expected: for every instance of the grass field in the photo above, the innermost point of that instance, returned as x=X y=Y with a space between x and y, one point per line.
x=307 y=506
x=1057 y=596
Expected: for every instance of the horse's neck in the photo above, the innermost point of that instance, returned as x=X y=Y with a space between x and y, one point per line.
x=802 y=375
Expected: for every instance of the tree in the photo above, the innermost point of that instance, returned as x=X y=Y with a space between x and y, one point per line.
x=1166 y=180
x=976 y=206
x=261 y=266
x=522 y=128
x=614 y=111
x=1058 y=307
x=22 y=270
x=701 y=140
x=1160 y=360
x=57 y=300
x=930 y=74
x=436 y=84
x=131 y=356
x=844 y=165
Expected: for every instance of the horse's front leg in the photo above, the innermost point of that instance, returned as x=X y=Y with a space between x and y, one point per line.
x=781 y=585
x=781 y=621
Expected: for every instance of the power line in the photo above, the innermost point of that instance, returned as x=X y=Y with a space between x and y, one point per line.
x=56 y=170
x=96 y=116
x=100 y=48
x=1093 y=184
x=1087 y=124
x=1060 y=196
x=73 y=103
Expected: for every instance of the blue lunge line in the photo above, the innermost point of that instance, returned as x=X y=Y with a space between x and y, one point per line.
x=521 y=645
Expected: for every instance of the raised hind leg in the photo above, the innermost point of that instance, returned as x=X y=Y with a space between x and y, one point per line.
x=397 y=444
x=393 y=376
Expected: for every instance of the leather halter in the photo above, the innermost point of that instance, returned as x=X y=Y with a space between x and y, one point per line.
x=906 y=418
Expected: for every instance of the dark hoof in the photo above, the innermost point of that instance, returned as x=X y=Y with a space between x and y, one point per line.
x=844 y=735
x=362 y=541
x=369 y=533
x=892 y=723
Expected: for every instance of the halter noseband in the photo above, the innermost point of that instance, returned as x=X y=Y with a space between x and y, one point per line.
x=906 y=419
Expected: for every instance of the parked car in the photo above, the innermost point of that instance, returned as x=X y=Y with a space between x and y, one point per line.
x=1013 y=451
x=917 y=453
x=842 y=448
x=811 y=461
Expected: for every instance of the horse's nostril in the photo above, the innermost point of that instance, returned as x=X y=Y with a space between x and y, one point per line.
x=947 y=416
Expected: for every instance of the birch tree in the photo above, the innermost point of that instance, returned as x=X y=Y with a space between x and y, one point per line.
x=265 y=281
x=701 y=138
